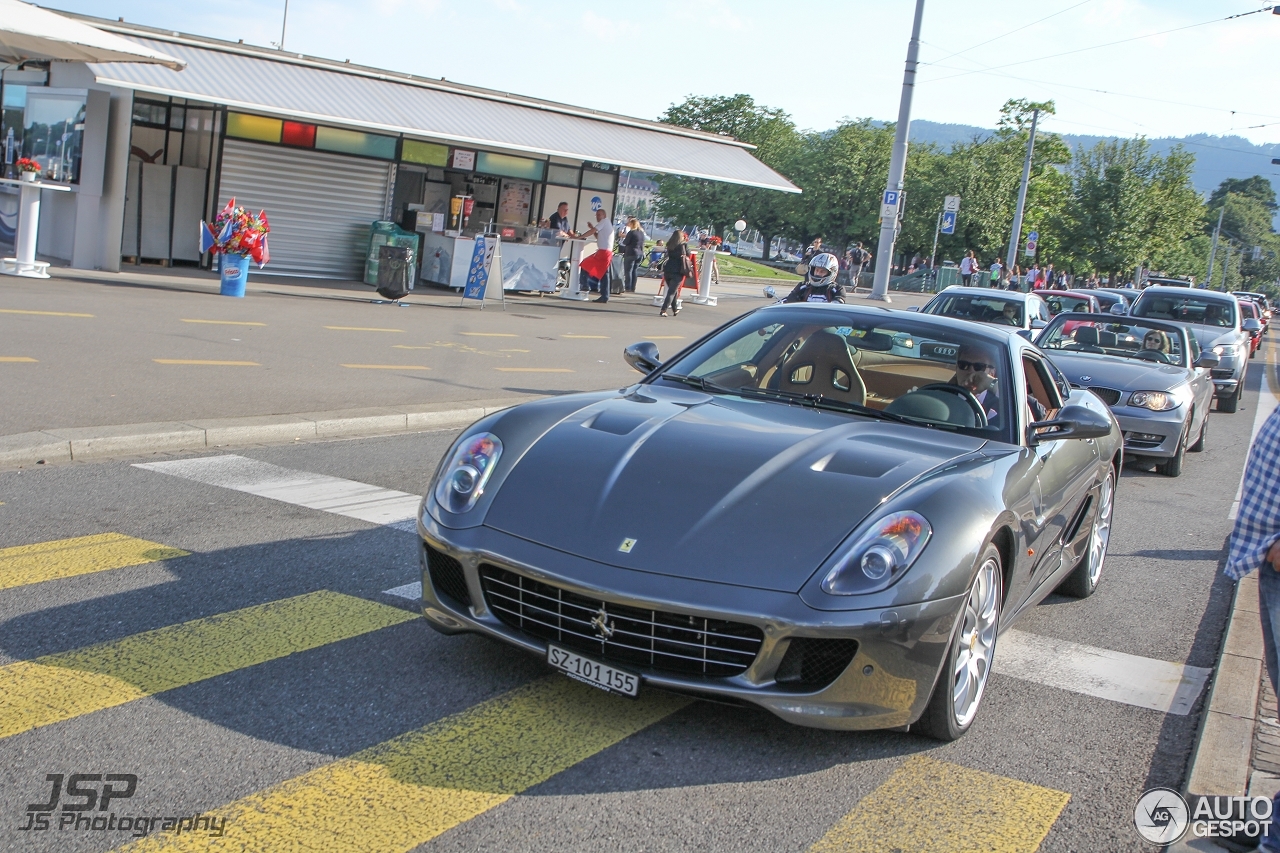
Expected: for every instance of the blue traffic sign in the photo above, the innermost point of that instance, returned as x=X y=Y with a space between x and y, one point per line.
x=1034 y=236
x=891 y=197
x=948 y=222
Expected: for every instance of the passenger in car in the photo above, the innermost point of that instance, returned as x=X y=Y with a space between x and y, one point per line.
x=976 y=372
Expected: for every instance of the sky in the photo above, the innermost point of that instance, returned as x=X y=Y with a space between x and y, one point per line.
x=1111 y=66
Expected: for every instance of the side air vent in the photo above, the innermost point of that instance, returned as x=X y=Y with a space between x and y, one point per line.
x=447 y=576
x=812 y=663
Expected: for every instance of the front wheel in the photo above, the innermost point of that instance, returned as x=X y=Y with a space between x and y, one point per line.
x=1083 y=580
x=967 y=668
x=1198 y=447
x=1172 y=467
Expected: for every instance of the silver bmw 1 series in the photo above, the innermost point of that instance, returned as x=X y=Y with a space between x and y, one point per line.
x=827 y=511
x=1150 y=372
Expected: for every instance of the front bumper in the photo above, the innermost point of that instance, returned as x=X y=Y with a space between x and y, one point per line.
x=1227 y=375
x=1148 y=433
x=886 y=684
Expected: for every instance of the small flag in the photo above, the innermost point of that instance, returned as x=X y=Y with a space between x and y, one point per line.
x=266 y=255
x=207 y=240
x=262 y=217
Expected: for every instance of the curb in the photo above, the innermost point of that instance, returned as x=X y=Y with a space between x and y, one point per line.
x=1220 y=763
x=106 y=442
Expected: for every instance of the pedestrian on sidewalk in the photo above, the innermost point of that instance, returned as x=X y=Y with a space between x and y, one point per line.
x=597 y=266
x=996 y=269
x=859 y=258
x=632 y=253
x=968 y=266
x=674 y=271
x=1255 y=544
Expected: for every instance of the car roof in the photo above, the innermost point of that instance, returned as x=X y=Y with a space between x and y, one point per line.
x=1189 y=293
x=990 y=292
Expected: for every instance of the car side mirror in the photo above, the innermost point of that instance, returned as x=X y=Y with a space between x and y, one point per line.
x=914 y=308
x=1072 y=422
x=1037 y=323
x=1118 y=308
x=643 y=356
x=1024 y=333
x=1208 y=360
x=802 y=269
x=1251 y=325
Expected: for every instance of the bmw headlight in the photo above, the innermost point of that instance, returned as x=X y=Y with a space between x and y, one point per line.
x=1156 y=401
x=462 y=481
x=1227 y=350
x=880 y=556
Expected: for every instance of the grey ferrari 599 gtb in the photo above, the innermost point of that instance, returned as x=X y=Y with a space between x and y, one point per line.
x=828 y=511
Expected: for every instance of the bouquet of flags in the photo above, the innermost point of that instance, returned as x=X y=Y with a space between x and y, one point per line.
x=236 y=231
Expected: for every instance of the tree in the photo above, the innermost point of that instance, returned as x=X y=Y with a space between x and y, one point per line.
x=719 y=205
x=1247 y=206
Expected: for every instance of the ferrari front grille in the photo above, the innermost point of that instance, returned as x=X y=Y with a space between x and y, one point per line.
x=447 y=576
x=653 y=639
x=1110 y=396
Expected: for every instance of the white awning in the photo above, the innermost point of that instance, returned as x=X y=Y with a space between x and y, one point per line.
x=287 y=85
x=29 y=32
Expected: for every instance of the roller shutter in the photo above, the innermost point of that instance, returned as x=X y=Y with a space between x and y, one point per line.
x=320 y=205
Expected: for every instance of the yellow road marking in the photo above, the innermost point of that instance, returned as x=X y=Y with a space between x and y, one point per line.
x=513 y=350
x=588 y=337
x=534 y=369
x=932 y=806
x=58 y=687
x=488 y=334
x=42 y=313
x=408 y=346
x=666 y=337
x=387 y=366
x=361 y=329
x=66 y=558
x=410 y=789
x=17 y=359
x=224 y=322
x=206 y=362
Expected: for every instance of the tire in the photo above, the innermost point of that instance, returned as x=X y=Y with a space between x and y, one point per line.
x=1204 y=432
x=1083 y=580
x=1172 y=467
x=969 y=657
x=1230 y=404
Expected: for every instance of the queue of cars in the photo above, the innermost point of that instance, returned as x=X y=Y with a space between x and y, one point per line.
x=824 y=510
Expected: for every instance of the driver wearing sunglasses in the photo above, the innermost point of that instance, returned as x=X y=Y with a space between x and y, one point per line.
x=976 y=372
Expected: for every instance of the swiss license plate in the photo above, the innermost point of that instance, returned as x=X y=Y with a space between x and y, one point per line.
x=593 y=672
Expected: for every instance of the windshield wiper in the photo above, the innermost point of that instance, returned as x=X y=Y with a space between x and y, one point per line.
x=815 y=401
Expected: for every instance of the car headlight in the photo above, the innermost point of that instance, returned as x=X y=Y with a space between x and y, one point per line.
x=1156 y=401
x=879 y=556
x=462 y=481
x=1226 y=350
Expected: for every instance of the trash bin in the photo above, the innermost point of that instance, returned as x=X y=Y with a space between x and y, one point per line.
x=395 y=271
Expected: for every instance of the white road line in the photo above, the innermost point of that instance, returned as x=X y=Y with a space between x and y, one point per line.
x=1266 y=404
x=1132 y=680
x=409 y=590
x=314 y=491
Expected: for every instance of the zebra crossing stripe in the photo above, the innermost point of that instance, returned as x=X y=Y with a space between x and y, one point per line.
x=62 y=686
x=65 y=558
x=402 y=793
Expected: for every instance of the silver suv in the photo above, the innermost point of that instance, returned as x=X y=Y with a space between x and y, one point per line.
x=1214 y=319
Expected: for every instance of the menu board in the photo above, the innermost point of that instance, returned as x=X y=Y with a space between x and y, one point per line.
x=514 y=202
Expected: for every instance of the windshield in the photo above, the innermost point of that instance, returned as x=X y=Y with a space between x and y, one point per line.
x=1205 y=311
x=1059 y=302
x=1129 y=339
x=983 y=309
x=890 y=366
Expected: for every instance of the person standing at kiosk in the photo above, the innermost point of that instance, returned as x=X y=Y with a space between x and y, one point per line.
x=597 y=266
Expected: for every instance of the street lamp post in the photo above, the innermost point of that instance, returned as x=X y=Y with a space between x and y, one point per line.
x=897 y=163
x=284 y=23
x=1016 y=232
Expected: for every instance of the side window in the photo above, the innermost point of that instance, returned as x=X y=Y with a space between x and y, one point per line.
x=1040 y=386
x=1044 y=312
x=1195 y=348
x=1059 y=379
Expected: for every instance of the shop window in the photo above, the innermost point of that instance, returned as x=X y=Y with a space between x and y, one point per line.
x=511 y=167
x=146 y=112
x=299 y=134
x=355 y=142
x=424 y=153
x=46 y=125
x=257 y=128
x=598 y=180
x=566 y=176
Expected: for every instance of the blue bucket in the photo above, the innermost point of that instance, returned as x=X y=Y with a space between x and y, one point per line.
x=235 y=272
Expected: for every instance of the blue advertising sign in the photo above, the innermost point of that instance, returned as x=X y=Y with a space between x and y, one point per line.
x=478 y=271
x=596 y=203
x=948 y=222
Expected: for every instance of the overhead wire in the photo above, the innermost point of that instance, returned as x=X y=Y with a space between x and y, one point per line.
x=1010 y=33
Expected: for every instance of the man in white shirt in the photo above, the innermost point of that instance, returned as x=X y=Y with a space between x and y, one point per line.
x=597 y=266
x=967 y=267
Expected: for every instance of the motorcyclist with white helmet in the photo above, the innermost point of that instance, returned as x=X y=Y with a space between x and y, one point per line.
x=819 y=284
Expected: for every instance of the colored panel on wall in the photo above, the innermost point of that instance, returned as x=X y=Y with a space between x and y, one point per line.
x=413 y=151
x=598 y=180
x=512 y=167
x=259 y=128
x=355 y=142
x=299 y=134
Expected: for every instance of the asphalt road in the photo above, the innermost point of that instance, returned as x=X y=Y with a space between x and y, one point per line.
x=267 y=677
x=160 y=348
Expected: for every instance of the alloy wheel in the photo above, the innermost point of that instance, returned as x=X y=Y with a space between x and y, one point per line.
x=1101 y=535
x=975 y=642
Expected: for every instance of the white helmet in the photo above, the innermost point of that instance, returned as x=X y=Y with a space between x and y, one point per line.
x=823 y=269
